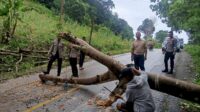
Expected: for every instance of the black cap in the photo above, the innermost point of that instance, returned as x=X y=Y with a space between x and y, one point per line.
x=126 y=72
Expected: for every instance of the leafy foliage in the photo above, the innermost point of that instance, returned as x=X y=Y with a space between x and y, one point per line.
x=180 y=15
x=9 y=9
x=97 y=11
x=38 y=28
x=147 y=27
x=160 y=35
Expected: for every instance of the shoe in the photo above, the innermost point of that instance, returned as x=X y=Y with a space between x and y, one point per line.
x=74 y=76
x=165 y=71
x=171 y=72
x=81 y=68
x=43 y=81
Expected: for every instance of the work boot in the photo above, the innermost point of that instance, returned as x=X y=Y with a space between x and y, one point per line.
x=165 y=70
x=171 y=72
x=81 y=68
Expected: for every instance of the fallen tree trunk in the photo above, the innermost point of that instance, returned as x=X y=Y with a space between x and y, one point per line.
x=32 y=51
x=161 y=83
x=175 y=87
x=98 y=79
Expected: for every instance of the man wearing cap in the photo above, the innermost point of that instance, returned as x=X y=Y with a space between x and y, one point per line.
x=139 y=52
x=169 y=47
x=55 y=52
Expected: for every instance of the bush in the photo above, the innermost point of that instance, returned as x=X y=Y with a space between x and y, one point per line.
x=194 y=51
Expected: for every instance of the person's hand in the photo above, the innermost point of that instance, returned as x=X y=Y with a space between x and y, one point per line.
x=105 y=103
x=49 y=56
x=132 y=57
x=145 y=58
x=121 y=107
x=174 y=52
x=163 y=50
x=136 y=72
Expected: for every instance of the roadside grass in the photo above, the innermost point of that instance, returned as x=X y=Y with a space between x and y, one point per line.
x=194 y=51
x=37 y=29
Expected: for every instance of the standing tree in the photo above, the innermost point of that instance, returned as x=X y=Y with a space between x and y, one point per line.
x=60 y=24
x=160 y=35
x=147 y=27
x=180 y=15
x=10 y=11
x=92 y=14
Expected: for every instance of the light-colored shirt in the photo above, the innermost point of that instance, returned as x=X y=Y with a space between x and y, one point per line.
x=74 y=53
x=170 y=44
x=57 y=46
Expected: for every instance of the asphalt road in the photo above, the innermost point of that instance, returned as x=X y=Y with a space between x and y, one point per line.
x=28 y=94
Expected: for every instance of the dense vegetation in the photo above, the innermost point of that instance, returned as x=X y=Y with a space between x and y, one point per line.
x=161 y=35
x=88 y=11
x=37 y=26
x=180 y=15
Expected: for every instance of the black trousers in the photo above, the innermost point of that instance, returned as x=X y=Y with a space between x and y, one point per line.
x=59 y=65
x=73 y=63
x=139 y=62
x=82 y=57
x=169 y=55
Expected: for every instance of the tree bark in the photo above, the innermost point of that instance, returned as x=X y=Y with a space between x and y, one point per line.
x=175 y=87
x=91 y=31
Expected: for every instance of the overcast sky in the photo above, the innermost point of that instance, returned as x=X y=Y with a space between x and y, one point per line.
x=135 y=11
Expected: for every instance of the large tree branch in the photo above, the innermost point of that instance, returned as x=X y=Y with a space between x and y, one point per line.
x=175 y=87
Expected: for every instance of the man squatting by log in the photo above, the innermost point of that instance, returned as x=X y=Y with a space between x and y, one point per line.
x=138 y=93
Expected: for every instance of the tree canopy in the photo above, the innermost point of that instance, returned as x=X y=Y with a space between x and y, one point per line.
x=180 y=15
x=160 y=35
x=100 y=11
x=147 y=27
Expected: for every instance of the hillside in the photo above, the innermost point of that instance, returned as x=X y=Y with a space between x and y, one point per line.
x=37 y=28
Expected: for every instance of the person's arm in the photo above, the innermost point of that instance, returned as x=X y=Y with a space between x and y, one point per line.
x=132 y=48
x=51 y=49
x=145 y=50
x=174 y=45
x=132 y=51
x=115 y=94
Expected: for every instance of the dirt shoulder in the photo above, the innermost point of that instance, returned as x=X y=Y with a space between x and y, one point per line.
x=183 y=67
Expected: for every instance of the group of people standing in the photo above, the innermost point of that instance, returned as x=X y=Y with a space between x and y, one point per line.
x=56 y=51
x=139 y=52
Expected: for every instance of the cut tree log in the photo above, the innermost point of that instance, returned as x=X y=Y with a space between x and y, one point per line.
x=175 y=87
